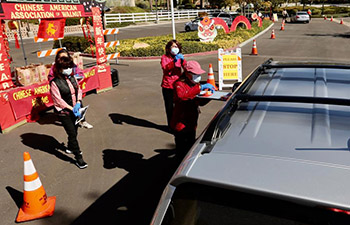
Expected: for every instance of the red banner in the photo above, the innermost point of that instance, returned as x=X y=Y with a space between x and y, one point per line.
x=24 y=100
x=5 y=72
x=99 y=39
x=90 y=81
x=15 y=11
x=51 y=28
x=104 y=76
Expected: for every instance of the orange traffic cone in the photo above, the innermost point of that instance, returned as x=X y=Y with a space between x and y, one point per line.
x=254 y=49
x=273 y=34
x=36 y=204
x=211 y=79
x=341 y=21
x=282 y=26
x=331 y=18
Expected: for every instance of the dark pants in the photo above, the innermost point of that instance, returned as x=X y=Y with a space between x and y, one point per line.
x=184 y=141
x=168 y=96
x=68 y=121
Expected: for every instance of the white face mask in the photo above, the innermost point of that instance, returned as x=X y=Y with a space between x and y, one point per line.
x=196 y=78
x=67 y=71
x=174 y=51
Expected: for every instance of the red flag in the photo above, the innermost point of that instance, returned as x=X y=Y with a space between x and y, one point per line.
x=51 y=28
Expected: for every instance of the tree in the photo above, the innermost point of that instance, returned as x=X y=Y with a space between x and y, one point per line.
x=222 y=3
x=276 y=3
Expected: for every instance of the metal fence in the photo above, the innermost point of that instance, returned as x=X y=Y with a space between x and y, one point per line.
x=151 y=16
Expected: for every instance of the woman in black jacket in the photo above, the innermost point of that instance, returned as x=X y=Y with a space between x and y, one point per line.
x=66 y=95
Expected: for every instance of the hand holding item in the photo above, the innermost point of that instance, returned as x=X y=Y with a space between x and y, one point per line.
x=179 y=56
x=76 y=109
x=208 y=86
x=77 y=114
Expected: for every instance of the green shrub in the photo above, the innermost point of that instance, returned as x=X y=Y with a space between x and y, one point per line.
x=329 y=10
x=72 y=21
x=127 y=9
x=190 y=6
x=316 y=12
x=109 y=50
x=142 y=4
x=73 y=43
x=189 y=41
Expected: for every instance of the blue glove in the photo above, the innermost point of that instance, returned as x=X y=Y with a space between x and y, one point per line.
x=76 y=109
x=179 y=56
x=207 y=86
x=77 y=114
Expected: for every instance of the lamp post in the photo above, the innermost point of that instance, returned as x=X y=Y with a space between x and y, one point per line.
x=172 y=18
x=156 y=11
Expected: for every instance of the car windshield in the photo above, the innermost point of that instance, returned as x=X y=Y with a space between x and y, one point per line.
x=302 y=13
x=195 y=204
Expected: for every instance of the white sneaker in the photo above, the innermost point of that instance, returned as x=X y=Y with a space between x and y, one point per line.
x=86 y=125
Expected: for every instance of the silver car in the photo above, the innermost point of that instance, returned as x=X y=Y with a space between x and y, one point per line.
x=192 y=25
x=278 y=152
x=300 y=17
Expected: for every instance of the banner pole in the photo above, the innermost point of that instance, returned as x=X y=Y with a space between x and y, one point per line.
x=20 y=35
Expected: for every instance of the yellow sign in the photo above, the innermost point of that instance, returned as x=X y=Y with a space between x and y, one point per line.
x=230 y=67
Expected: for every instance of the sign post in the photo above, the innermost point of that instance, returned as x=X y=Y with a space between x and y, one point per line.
x=230 y=66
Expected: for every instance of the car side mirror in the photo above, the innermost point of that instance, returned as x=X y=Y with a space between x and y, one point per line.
x=235 y=86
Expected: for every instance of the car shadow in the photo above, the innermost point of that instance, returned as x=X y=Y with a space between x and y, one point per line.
x=340 y=35
x=133 y=199
x=46 y=144
x=120 y=119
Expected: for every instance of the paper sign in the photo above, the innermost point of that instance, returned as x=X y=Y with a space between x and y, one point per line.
x=230 y=66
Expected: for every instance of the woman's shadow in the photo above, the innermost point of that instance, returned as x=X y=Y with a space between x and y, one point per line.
x=46 y=144
x=133 y=199
x=120 y=119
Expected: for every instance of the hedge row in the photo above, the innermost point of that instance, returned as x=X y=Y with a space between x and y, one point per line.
x=189 y=41
x=73 y=43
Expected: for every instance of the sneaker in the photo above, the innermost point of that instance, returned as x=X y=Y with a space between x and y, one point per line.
x=86 y=125
x=81 y=164
x=70 y=152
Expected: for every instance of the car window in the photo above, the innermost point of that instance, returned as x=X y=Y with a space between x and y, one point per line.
x=302 y=13
x=195 y=204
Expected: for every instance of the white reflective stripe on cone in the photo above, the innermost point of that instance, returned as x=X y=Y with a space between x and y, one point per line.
x=32 y=185
x=29 y=168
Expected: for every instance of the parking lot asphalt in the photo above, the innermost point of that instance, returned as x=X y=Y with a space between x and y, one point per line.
x=129 y=152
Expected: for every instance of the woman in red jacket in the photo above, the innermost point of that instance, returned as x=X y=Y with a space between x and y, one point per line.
x=186 y=110
x=171 y=63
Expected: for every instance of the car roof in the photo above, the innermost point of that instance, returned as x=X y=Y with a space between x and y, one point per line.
x=301 y=12
x=293 y=150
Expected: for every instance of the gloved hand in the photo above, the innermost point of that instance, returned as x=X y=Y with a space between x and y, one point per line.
x=76 y=109
x=179 y=56
x=207 y=86
x=77 y=113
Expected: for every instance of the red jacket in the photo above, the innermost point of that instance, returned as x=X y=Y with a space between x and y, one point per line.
x=186 y=110
x=171 y=71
